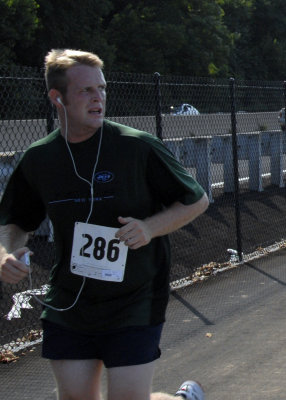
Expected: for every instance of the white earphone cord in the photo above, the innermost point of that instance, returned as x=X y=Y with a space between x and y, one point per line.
x=90 y=211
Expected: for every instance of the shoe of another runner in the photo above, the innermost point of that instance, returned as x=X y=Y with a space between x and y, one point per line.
x=191 y=390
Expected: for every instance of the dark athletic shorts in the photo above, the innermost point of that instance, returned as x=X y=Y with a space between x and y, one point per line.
x=117 y=348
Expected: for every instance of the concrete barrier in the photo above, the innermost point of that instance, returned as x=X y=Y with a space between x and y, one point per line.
x=199 y=142
x=178 y=126
x=203 y=153
x=17 y=135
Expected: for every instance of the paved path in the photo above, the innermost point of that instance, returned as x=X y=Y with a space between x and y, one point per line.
x=227 y=332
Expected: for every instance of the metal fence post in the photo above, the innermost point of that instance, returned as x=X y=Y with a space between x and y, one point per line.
x=158 y=110
x=50 y=117
x=235 y=167
x=284 y=92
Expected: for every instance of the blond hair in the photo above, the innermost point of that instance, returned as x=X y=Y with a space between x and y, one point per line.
x=58 y=61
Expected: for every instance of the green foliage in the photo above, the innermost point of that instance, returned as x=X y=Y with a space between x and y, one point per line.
x=211 y=38
x=18 y=26
x=181 y=37
x=72 y=24
x=258 y=28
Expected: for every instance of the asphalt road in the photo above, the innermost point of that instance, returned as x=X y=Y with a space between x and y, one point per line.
x=228 y=332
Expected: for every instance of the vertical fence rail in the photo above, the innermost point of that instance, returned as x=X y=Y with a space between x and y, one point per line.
x=50 y=117
x=158 y=106
x=235 y=167
x=284 y=95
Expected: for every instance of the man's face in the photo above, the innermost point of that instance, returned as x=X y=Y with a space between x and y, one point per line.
x=85 y=101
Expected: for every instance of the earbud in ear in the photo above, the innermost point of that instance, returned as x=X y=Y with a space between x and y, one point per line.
x=59 y=100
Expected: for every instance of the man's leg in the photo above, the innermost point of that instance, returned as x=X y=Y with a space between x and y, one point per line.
x=164 y=396
x=130 y=383
x=134 y=383
x=77 y=379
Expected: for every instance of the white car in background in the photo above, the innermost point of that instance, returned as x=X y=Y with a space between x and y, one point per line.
x=184 y=109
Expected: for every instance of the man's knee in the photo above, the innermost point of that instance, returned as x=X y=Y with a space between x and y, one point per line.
x=132 y=382
x=162 y=396
x=77 y=380
x=78 y=396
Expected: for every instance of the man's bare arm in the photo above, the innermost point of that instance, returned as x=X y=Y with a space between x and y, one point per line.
x=12 y=247
x=11 y=238
x=136 y=233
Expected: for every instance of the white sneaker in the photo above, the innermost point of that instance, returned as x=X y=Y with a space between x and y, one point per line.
x=191 y=390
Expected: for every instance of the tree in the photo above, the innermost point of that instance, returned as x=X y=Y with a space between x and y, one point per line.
x=70 y=24
x=267 y=35
x=258 y=29
x=18 y=25
x=174 y=36
x=217 y=38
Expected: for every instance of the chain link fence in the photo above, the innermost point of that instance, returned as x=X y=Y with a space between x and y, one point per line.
x=232 y=144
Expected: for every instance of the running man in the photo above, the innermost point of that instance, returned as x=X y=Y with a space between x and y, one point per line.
x=113 y=194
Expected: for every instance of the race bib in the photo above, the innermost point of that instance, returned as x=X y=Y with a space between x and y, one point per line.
x=97 y=254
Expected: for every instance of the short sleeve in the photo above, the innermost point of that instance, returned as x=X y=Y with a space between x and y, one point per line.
x=169 y=179
x=20 y=204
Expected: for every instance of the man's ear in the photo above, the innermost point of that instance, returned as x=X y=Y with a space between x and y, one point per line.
x=55 y=97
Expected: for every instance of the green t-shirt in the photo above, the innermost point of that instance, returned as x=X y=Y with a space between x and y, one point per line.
x=136 y=176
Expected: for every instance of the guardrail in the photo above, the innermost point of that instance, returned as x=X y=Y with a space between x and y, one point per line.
x=202 y=153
